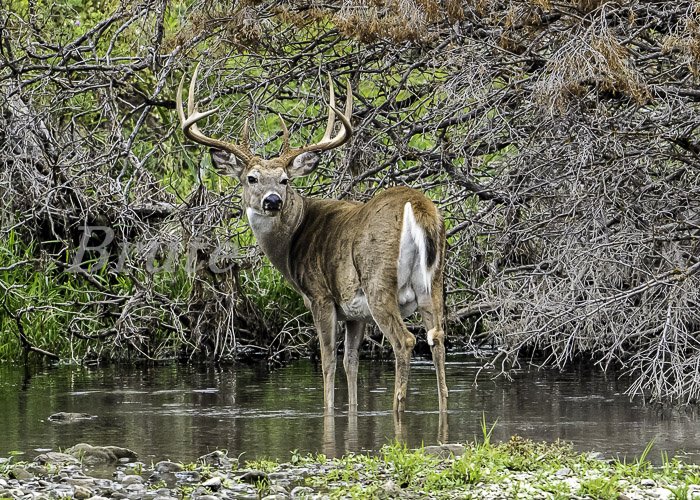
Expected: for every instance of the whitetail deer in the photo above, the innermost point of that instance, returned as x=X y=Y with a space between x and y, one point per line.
x=355 y=262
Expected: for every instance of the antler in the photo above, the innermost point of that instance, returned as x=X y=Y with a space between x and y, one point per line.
x=327 y=142
x=189 y=124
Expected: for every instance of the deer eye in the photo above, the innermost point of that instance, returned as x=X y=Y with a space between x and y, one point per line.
x=284 y=181
x=252 y=179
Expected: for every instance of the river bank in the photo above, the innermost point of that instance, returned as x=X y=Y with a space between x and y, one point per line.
x=518 y=468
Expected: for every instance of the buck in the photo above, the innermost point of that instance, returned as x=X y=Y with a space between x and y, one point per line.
x=354 y=262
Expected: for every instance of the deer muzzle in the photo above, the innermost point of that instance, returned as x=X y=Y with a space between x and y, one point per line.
x=272 y=203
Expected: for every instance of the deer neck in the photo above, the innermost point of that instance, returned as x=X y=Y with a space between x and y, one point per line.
x=274 y=234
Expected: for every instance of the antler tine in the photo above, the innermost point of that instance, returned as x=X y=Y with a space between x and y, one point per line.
x=327 y=142
x=245 y=135
x=189 y=123
x=285 y=135
x=331 y=113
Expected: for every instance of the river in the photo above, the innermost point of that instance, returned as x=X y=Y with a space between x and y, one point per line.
x=180 y=412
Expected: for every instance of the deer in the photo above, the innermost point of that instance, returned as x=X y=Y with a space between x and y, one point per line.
x=377 y=261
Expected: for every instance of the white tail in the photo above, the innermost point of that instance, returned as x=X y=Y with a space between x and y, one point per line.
x=413 y=238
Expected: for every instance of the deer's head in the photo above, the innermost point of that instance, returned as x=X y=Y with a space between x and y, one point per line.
x=265 y=181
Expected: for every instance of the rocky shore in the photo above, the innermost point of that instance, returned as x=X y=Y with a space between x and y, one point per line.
x=519 y=469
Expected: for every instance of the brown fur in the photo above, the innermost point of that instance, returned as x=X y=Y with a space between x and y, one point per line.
x=343 y=257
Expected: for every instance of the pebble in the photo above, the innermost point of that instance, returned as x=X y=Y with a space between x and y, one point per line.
x=213 y=483
x=61 y=477
x=254 y=476
x=662 y=493
x=563 y=472
x=301 y=492
x=130 y=479
x=20 y=473
x=81 y=492
x=218 y=459
x=168 y=467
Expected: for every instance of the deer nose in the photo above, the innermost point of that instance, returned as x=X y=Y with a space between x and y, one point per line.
x=272 y=202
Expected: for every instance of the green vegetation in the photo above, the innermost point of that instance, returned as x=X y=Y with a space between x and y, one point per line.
x=518 y=467
x=557 y=139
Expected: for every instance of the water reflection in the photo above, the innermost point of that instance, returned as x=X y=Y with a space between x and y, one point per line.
x=183 y=412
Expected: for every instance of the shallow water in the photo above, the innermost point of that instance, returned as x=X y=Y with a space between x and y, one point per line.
x=179 y=412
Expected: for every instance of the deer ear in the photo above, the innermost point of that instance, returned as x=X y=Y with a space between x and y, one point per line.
x=226 y=163
x=303 y=165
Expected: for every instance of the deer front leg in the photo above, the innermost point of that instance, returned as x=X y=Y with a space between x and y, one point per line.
x=325 y=323
x=354 y=334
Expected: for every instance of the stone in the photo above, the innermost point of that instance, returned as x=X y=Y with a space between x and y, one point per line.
x=56 y=458
x=167 y=467
x=20 y=473
x=276 y=476
x=301 y=492
x=68 y=417
x=131 y=479
x=244 y=496
x=445 y=450
x=254 y=476
x=563 y=472
x=82 y=493
x=100 y=454
x=188 y=476
x=647 y=483
x=217 y=459
x=391 y=489
x=661 y=493
x=213 y=483
x=277 y=489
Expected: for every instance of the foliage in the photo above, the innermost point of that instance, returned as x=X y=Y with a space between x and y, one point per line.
x=559 y=139
x=516 y=467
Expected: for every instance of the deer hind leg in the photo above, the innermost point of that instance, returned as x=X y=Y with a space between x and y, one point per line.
x=431 y=310
x=354 y=335
x=385 y=312
x=325 y=323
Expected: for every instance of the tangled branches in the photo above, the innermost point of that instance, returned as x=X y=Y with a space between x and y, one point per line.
x=560 y=140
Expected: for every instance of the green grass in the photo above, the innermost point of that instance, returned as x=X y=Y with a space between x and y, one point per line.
x=47 y=305
x=517 y=468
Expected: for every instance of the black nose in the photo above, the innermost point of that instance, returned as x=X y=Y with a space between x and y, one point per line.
x=272 y=202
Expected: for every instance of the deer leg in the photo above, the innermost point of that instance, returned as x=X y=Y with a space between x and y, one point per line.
x=385 y=313
x=325 y=323
x=431 y=310
x=354 y=334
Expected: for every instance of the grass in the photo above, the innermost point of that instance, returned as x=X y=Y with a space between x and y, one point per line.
x=64 y=313
x=517 y=468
